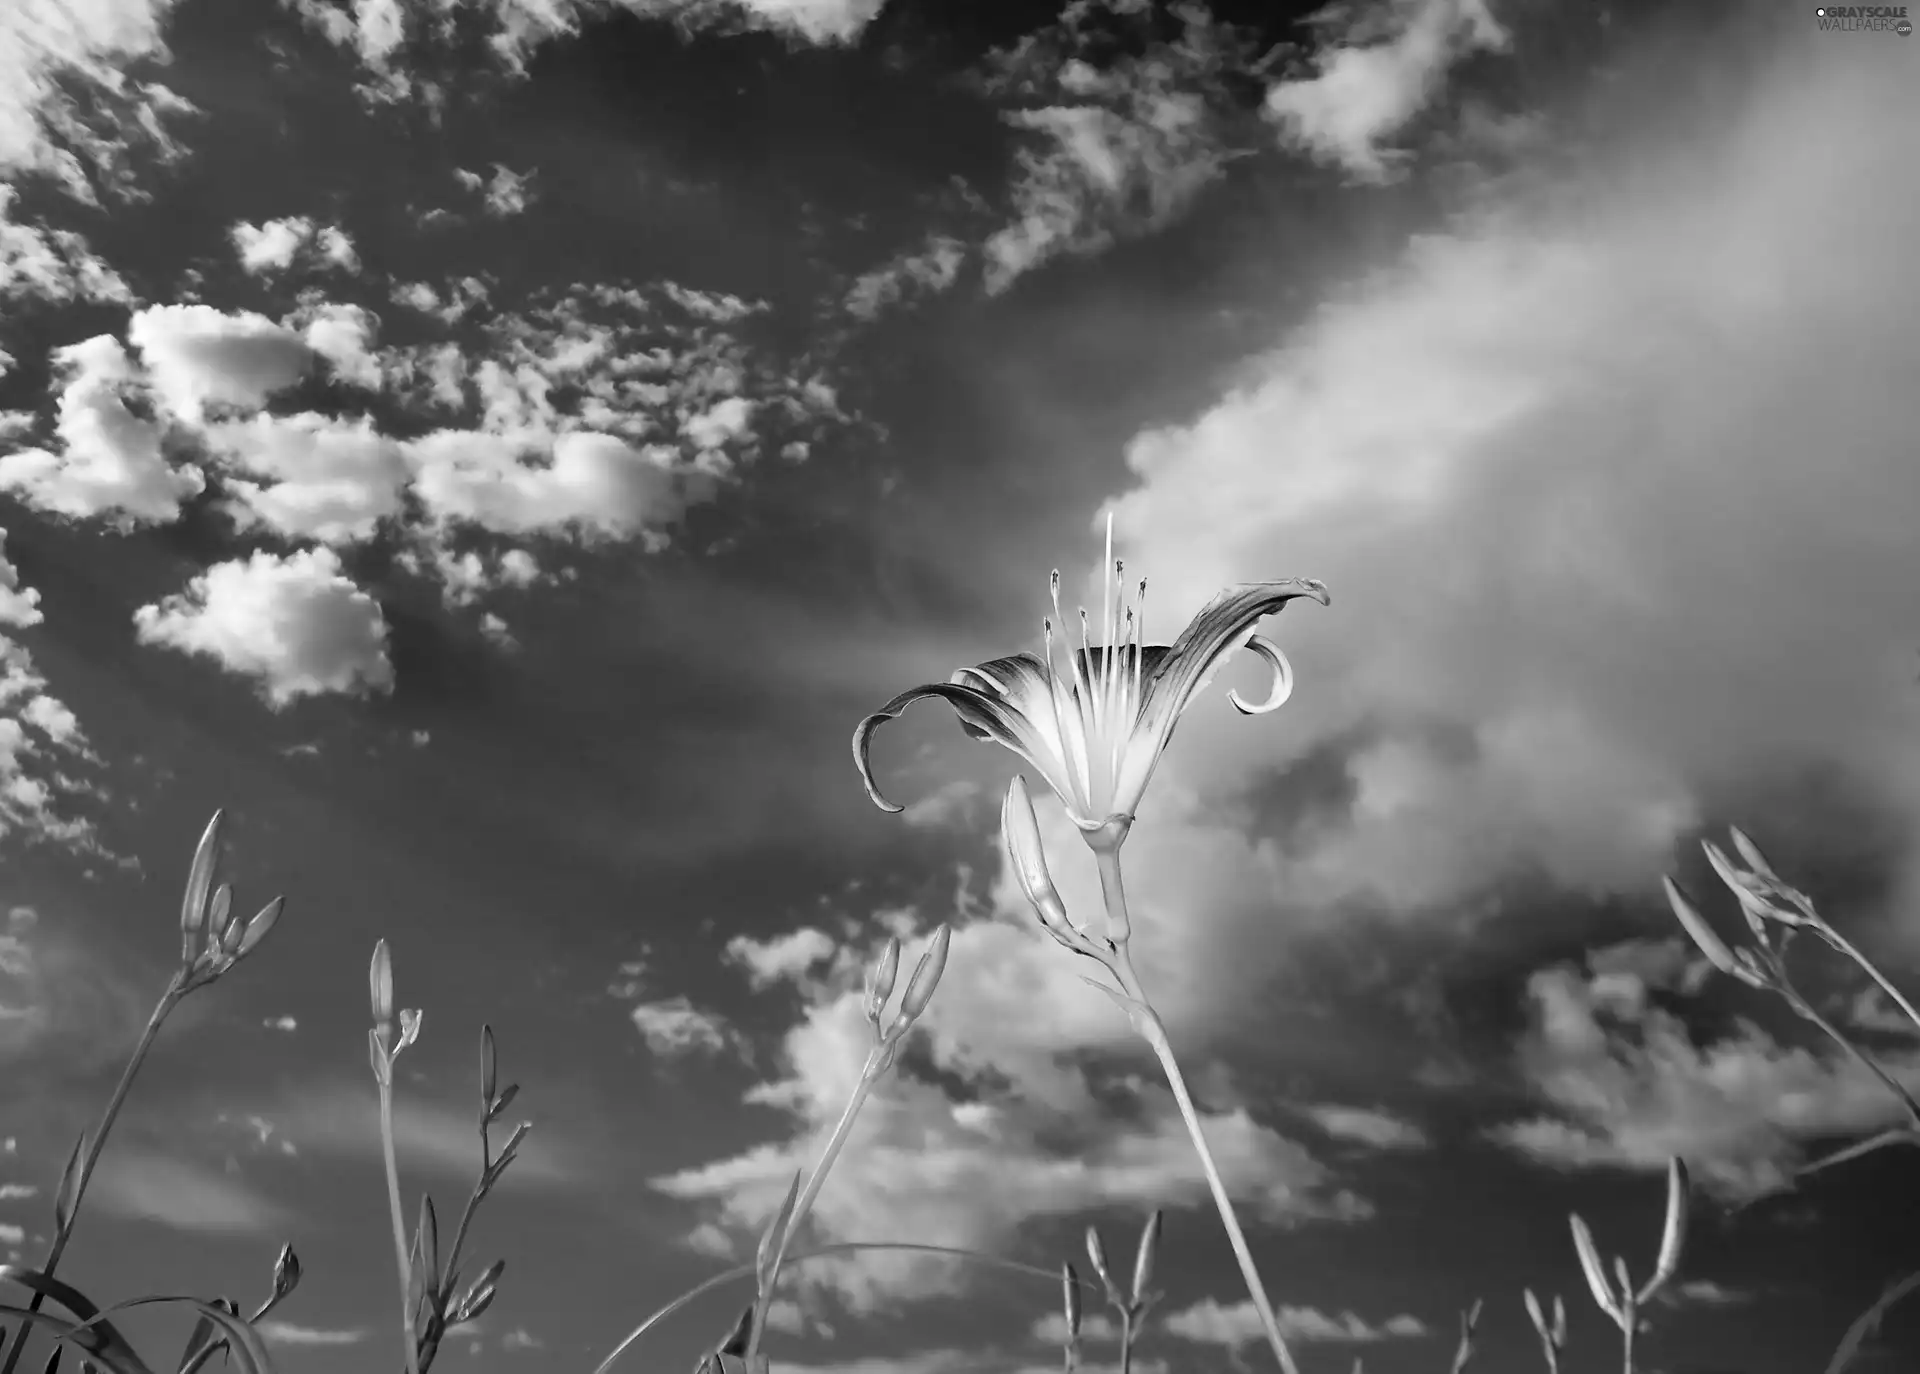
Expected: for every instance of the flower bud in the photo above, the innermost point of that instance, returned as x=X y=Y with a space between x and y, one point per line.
x=926 y=977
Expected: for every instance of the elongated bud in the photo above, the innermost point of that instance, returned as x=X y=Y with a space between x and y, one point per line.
x=1097 y=1256
x=67 y=1196
x=286 y=1273
x=488 y=1070
x=1070 y=1300
x=880 y=980
x=220 y=911
x=480 y=1297
x=1534 y=1313
x=1143 y=1258
x=380 y=985
x=926 y=977
x=770 y=1238
x=1021 y=831
x=410 y=1021
x=260 y=927
x=1559 y=1322
x=501 y=1103
x=1590 y=1266
x=1751 y=853
x=1673 y=1235
x=193 y=904
x=427 y=1240
x=1717 y=952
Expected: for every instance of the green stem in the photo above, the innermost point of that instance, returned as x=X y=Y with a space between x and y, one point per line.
x=1804 y=1009
x=1626 y=1338
x=1126 y=1342
x=1147 y=1022
x=398 y=1220
x=176 y=989
x=877 y=1060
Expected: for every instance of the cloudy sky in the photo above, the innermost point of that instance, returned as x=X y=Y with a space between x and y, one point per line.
x=498 y=449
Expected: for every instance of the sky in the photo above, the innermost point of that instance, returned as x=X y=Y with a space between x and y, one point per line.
x=499 y=449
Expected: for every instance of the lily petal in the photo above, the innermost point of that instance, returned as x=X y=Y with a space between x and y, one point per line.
x=983 y=716
x=1282 y=679
x=1222 y=626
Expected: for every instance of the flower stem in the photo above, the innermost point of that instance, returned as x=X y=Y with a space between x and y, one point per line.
x=398 y=1220
x=1147 y=1022
x=877 y=1061
x=176 y=989
x=1851 y=951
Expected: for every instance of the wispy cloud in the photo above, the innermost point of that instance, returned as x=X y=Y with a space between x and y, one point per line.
x=1208 y=1322
x=139 y=1183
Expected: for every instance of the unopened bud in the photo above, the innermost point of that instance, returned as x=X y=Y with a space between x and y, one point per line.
x=926 y=977
x=380 y=984
x=881 y=978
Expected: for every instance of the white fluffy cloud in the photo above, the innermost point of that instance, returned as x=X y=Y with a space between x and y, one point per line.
x=310 y=476
x=294 y=623
x=1372 y=81
x=110 y=462
x=971 y=1173
x=196 y=356
x=275 y=245
x=1629 y=1086
x=1555 y=467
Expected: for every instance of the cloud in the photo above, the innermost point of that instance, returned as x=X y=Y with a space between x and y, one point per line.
x=1571 y=563
x=292 y=622
x=505 y=192
x=926 y=271
x=1369 y=1126
x=1032 y=1141
x=782 y=959
x=141 y=1184
x=1207 y=1322
x=1113 y=151
x=196 y=356
x=310 y=476
x=339 y=1119
x=287 y=1334
x=67 y=111
x=275 y=245
x=59 y=1002
x=1630 y=1086
x=52 y=264
x=19 y=606
x=40 y=741
x=674 y=1027
x=110 y=462
x=1369 y=85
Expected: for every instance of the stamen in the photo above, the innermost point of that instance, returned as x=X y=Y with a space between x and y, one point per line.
x=1139 y=644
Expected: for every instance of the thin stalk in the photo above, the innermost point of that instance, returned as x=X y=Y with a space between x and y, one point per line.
x=176 y=989
x=870 y=1073
x=1153 y=1031
x=1851 y=951
x=1805 y=1010
x=398 y=1220
x=1126 y=1342
x=845 y=1247
x=1626 y=1333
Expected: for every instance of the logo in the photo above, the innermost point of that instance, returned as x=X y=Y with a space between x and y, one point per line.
x=1864 y=19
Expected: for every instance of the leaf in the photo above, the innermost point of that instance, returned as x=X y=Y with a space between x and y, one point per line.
x=67 y=1196
x=771 y=1237
x=1673 y=1236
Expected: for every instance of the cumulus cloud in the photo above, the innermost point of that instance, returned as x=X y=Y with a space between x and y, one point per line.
x=289 y=1334
x=505 y=193
x=67 y=110
x=926 y=271
x=110 y=461
x=295 y=623
x=310 y=476
x=52 y=264
x=1033 y=1142
x=275 y=245
x=19 y=606
x=1629 y=1085
x=1553 y=464
x=196 y=356
x=1208 y=1322
x=40 y=741
x=1372 y=80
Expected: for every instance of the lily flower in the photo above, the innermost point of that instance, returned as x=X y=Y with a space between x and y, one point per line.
x=1096 y=724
